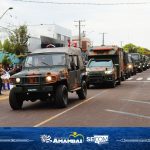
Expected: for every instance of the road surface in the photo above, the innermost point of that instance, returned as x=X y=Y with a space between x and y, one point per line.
x=126 y=105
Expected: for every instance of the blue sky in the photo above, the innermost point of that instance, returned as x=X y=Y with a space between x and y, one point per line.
x=127 y=23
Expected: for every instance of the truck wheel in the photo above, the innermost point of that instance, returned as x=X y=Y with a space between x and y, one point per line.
x=123 y=78
x=82 y=93
x=14 y=100
x=119 y=81
x=113 y=84
x=61 y=96
x=129 y=75
x=87 y=85
x=126 y=76
x=134 y=72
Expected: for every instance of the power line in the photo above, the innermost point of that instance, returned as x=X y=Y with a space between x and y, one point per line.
x=73 y=3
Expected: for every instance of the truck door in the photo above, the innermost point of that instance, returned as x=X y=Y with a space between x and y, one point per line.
x=78 y=72
x=72 y=73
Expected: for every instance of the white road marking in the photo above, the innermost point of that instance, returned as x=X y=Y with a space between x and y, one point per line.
x=51 y=118
x=129 y=79
x=128 y=114
x=148 y=78
x=136 y=101
x=138 y=79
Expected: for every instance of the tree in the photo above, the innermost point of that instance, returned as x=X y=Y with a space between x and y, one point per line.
x=131 y=48
x=140 y=50
x=19 y=40
x=6 y=61
x=7 y=46
x=1 y=46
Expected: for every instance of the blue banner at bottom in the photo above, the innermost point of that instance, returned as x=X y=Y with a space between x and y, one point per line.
x=99 y=138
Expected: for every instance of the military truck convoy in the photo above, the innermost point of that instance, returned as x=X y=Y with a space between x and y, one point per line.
x=105 y=65
x=109 y=65
x=49 y=74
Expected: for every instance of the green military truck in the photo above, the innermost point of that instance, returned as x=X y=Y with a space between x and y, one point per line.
x=105 y=66
x=138 y=60
x=130 y=68
x=47 y=74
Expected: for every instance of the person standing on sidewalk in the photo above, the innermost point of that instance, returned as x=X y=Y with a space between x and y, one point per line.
x=1 y=81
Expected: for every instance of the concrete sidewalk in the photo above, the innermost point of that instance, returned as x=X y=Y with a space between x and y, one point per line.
x=5 y=94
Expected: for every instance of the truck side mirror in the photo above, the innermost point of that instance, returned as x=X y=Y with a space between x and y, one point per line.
x=117 y=65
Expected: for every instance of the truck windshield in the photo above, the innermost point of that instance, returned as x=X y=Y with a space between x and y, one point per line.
x=135 y=56
x=100 y=63
x=43 y=60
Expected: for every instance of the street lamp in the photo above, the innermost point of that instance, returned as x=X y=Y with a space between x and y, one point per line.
x=6 y=12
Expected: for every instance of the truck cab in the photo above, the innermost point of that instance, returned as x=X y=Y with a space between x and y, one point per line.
x=129 y=66
x=101 y=71
x=137 y=58
x=49 y=74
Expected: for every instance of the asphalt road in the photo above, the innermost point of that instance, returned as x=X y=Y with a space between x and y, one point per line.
x=125 y=105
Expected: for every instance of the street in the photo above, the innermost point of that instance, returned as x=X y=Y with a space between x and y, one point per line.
x=126 y=105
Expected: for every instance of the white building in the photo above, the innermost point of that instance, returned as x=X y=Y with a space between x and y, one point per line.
x=43 y=35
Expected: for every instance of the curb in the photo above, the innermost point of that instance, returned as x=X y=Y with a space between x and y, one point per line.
x=5 y=95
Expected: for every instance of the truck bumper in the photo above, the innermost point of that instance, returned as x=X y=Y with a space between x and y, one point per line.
x=34 y=89
x=100 y=80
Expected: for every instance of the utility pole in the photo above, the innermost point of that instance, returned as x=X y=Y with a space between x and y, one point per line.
x=103 y=38
x=79 y=22
x=121 y=43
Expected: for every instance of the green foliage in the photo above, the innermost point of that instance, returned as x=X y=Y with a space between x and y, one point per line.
x=140 y=50
x=7 y=46
x=131 y=48
x=6 y=61
x=19 y=40
x=1 y=46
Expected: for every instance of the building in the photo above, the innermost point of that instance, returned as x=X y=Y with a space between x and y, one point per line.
x=42 y=35
x=85 y=42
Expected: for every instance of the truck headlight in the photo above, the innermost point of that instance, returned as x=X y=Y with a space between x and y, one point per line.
x=108 y=72
x=87 y=71
x=129 y=66
x=48 y=78
x=18 y=80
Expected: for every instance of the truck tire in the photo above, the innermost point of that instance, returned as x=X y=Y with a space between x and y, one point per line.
x=87 y=85
x=113 y=84
x=123 y=78
x=82 y=93
x=126 y=76
x=134 y=72
x=61 y=96
x=119 y=81
x=14 y=100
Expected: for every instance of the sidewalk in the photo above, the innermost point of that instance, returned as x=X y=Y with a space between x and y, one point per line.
x=5 y=94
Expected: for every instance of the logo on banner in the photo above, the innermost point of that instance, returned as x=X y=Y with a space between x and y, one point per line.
x=98 y=139
x=73 y=138
x=46 y=139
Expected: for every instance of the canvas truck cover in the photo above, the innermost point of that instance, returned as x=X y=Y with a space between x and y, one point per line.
x=105 y=52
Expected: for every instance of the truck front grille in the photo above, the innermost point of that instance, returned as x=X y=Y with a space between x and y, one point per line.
x=95 y=79
x=31 y=80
